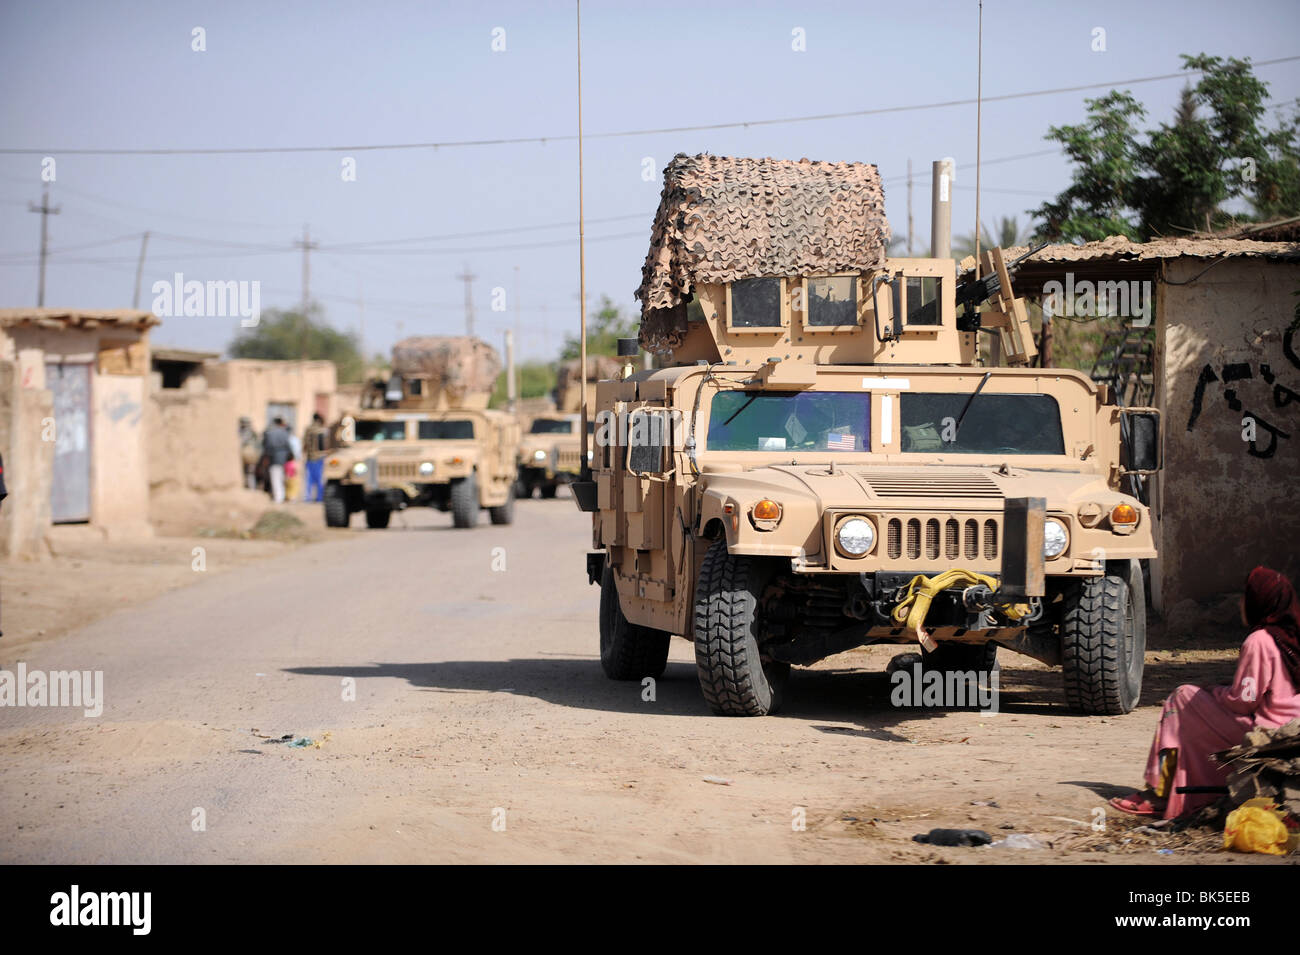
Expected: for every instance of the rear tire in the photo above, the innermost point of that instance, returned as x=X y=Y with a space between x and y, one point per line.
x=733 y=677
x=464 y=502
x=336 y=507
x=1103 y=639
x=504 y=513
x=627 y=651
x=377 y=517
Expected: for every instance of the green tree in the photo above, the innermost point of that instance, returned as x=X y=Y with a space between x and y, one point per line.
x=286 y=334
x=1178 y=177
x=1096 y=204
x=536 y=379
x=604 y=329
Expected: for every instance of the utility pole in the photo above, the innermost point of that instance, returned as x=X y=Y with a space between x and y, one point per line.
x=45 y=211
x=941 y=210
x=909 y=207
x=139 y=270
x=306 y=245
x=468 y=278
x=512 y=388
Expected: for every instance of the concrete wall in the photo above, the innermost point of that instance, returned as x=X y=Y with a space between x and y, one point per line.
x=1227 y=504
x=254 y=384
x=119 y=485
x=28 y=463
x=193 y=440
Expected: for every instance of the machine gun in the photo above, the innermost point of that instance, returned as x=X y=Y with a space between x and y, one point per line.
x=973 y=292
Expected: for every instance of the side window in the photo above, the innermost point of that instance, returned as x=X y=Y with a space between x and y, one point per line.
x=754 y=303
x=923 y=296
x=832 y=301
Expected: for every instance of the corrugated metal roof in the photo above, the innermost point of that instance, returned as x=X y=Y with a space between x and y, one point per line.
x=1118 y=248
x=76 y=317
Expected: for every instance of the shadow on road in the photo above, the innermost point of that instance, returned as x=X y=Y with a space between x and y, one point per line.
x=833 y=695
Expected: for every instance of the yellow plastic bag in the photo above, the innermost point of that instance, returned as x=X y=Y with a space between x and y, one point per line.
x=1256 y=826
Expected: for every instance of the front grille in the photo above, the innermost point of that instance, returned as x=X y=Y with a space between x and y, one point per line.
x=935 y=539
x=570 y=461
x=398 y=470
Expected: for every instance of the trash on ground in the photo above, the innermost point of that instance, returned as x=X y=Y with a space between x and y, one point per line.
x=1018 y=840
x=954 y=837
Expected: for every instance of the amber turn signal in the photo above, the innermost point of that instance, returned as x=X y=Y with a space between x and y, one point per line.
x=1124 y=514
x=766 y=510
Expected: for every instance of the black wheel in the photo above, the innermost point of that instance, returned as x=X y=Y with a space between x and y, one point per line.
x=547 y=491
x=522 y=490
x=627 y=651
x=336 y=507
x=733 y=676
x=1103 y=639
x=504 y=513
x=377 y=516
x=464 y=502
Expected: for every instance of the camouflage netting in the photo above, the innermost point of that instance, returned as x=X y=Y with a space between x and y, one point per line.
x=458 y=364
x=568 y=384
x=1267 y=764
x=722 y=219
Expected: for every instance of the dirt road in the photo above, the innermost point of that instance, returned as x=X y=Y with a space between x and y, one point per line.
x=481 y=728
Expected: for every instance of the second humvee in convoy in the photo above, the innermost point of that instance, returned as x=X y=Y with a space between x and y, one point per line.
x=427 y=439
x=825 y=461
x=550 y=452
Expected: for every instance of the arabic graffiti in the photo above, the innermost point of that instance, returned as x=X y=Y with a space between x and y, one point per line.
x=1282 y=395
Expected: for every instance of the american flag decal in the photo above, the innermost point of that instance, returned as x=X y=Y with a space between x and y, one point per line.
x=840 y=442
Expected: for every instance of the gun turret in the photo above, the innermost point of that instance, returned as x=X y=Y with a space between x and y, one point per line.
x=973 y=292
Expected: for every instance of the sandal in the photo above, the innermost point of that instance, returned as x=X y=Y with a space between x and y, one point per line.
x=1139 y=804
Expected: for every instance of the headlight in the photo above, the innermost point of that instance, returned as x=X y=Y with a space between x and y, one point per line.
x=360 y=468
x=1055 y=538
x=539 y=455
x=426 y=468
x=855 y=537
x=590 y=454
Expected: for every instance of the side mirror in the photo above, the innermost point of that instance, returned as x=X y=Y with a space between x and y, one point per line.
x=1140 y=428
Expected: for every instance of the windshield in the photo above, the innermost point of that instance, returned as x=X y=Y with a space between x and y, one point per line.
x=551 y=426
x=455 y=430
x=790 y=421
x=994 y=424
x=381 y=431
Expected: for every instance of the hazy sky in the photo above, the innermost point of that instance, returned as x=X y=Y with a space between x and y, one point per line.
x=118 y=75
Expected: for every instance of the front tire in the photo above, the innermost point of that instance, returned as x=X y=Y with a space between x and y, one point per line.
x=733 y=676
x=336 y=507
x=547 y=491
x=464 y=502
x=1103 y=640
x=377 y=517
x=504 y=513
x=628 y=651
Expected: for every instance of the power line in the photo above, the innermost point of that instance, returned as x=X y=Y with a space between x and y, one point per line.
x=567 y=137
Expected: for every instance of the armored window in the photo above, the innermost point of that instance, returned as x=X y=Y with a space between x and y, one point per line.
x=551 y=426
x=755 y=303
x=831 y=301
x=415 y=387
x=381 y=430
x=810 y=421
x=923 y=297
x=446 y=430
x=993 y=424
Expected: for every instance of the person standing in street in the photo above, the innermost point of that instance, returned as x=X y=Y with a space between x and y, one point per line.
x=279 y=451
x=316 y=446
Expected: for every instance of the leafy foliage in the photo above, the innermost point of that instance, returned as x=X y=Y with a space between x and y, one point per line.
x=288 y=335
x=604 y=329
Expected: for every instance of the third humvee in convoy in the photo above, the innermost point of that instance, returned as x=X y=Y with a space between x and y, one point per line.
x=825 y=460
x=550 y=452
x=426 y=438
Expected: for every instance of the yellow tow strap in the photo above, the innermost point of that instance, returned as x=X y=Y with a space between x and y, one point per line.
x=912 y=609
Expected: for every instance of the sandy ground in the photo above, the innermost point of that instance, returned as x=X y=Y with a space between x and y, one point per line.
x=461 y=715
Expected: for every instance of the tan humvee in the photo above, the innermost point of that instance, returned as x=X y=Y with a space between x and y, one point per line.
x=431 y=442
x=823 y=464
x=550 y=454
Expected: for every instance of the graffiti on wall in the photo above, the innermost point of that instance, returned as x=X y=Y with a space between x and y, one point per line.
x=1281 y=395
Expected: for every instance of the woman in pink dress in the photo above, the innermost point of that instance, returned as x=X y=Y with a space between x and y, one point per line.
x=1197 y=721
